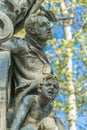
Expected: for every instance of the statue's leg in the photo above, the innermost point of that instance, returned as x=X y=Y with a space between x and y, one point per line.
x=28 y=127
x=21 y=113
x=47 y=124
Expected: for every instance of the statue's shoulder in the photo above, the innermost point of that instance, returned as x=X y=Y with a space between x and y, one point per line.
x=17 y=39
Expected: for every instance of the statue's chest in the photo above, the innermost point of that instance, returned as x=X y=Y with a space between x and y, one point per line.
x=37 y=113
x=34 y=64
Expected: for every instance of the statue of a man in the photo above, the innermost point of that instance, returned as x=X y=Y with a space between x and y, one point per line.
x=29 y=62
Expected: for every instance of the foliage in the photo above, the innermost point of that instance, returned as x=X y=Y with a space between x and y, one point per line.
x=79 y=56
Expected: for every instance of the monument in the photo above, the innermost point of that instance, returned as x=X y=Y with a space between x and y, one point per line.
x=27 y=83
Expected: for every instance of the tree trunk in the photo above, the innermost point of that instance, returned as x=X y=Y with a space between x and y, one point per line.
x=70 y=87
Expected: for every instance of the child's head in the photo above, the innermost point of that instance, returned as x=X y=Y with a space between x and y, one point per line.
x=49 y=87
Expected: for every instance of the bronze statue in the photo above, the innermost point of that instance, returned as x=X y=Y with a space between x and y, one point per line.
x=36 y=110
x=32 y=91
x=30 y=61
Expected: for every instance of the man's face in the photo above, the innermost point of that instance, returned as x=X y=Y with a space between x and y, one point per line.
x=49 y=89
x=43 y=28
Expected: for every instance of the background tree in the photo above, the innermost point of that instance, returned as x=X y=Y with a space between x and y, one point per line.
x=70 y=59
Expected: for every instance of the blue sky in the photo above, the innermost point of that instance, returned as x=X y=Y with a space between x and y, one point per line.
x=58 y=33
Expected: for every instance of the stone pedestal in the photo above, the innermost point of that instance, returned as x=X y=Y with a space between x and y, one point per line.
x=4 y=69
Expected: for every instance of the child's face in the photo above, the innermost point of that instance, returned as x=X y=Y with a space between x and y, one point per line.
x=49 y=89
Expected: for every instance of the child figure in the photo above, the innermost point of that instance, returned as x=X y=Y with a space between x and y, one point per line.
x=36 y=111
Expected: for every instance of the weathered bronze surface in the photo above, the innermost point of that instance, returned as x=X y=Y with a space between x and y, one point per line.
x=4 y=67
x=33 y=85
x=6 y=27
x=18 y=11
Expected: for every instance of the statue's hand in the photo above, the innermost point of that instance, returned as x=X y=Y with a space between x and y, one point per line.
x=9 y=117
x=34 y=84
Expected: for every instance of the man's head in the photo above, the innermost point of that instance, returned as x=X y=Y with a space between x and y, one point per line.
x=39 y=26
x=49 y=87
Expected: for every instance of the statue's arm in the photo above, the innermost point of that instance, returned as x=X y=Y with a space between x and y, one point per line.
x=48 y=13
x=36 y=6
x=15 y=46
x=58 y=122
x=22 y=112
